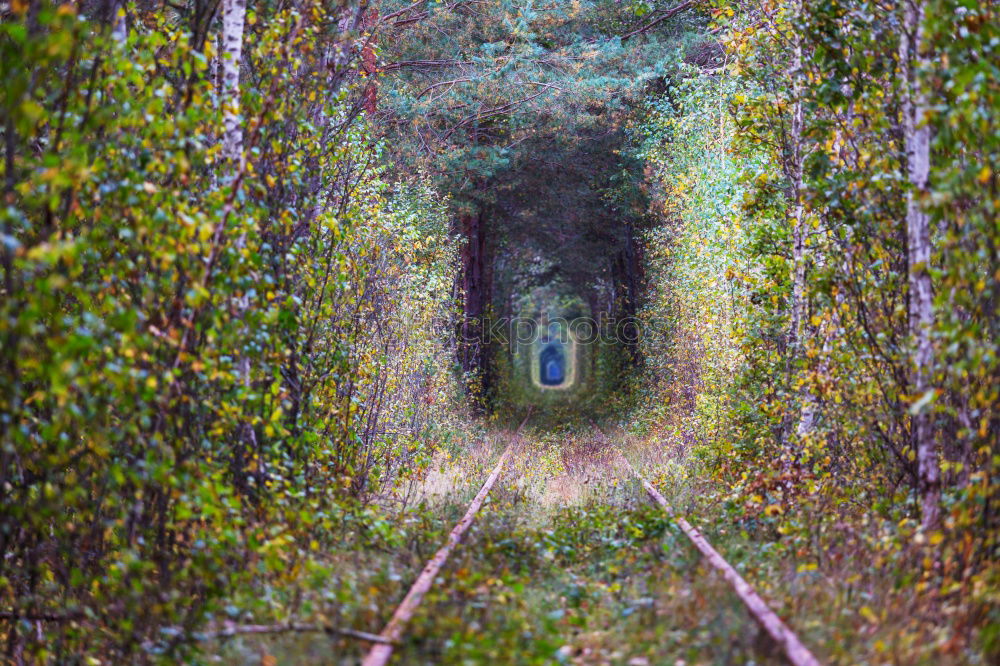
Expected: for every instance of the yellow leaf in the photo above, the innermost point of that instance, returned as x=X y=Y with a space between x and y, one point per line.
x=869 y=614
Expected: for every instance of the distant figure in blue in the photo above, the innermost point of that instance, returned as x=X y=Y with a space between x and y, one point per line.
x=552 y=365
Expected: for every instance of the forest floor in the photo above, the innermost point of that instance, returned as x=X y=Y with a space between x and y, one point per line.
x=569 y=562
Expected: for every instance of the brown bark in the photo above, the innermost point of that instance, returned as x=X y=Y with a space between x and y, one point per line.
x=477 y=288
x=369 y=65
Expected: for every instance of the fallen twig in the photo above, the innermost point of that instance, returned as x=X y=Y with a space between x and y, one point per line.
x=40 y=616
x=231 y=630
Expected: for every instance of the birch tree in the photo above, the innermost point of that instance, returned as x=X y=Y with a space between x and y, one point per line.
x=233 y=18
x=913 y=58
x=119 y=29
x=799 y=251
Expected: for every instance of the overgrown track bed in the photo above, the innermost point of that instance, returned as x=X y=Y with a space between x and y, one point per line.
x=393 y=631
x=796 y=652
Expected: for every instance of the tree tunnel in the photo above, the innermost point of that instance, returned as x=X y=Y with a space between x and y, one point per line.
x=553 y=239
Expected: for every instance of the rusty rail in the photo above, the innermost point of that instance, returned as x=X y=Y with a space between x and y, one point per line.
x=393 y=631
x=796 y=652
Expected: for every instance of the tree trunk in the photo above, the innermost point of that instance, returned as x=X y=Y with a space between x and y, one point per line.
x=798 y=230
x=119 y=29
x=369 y=65
x=233 y=17
x=800 y=255
x=921 y=308
x=474 y=283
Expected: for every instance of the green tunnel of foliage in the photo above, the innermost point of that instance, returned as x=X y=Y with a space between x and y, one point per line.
x=214 y=373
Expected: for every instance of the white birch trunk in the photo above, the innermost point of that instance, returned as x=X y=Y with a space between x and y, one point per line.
x=807 y=413
x=798 y=230
x=119 y=29
x=233 y=17
x=917 y=136
x=213 y=71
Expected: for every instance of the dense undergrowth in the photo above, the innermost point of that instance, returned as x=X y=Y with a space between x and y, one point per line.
x=209 y=364
x=807 y=428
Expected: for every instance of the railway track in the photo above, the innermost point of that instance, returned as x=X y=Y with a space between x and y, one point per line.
x=380 y=654
x=795 y=650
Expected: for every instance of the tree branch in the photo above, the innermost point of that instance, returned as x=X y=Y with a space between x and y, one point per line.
x=495 y=111
x=40 y=616
x=421 y=64
x=231 y=630
x=439 y=84
x=662 y=17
